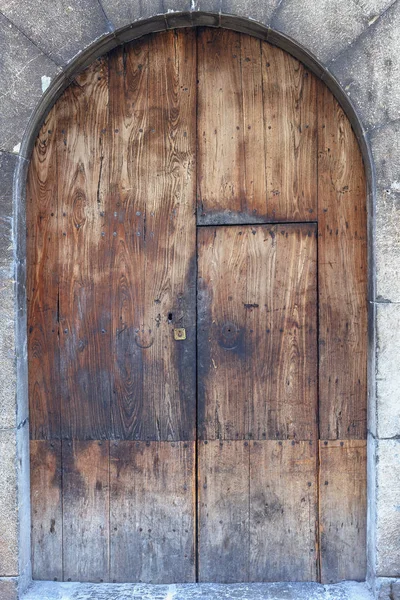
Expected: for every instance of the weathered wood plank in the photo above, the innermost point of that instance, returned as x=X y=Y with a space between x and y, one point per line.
x=283 y=511
x=152 y=511
x=223 y=511
x=231 y=153
x=84 y=296
x=290 y=120
x=153 y=106
x=46 y=509
x=342 y=275
x=257 y=346
x=343 y=510
x=85 y=510
x=42 y=285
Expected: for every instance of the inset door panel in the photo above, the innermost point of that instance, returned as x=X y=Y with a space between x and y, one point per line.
x=257 y=332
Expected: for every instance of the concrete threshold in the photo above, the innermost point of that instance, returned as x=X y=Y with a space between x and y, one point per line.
x=49 y=590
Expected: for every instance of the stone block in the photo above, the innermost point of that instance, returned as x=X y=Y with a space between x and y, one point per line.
x=8 y=588
x=8 y=505
x=370 y=70
x=325 y=27
x=387 y=245
x=123 y=14
x=396 y=590
x=211 y=6
x=250 y=9
x=23 y=71
x=388 y=508
x=60 y=28
x=8 y=401
x=387 y=370
x=7 y=167
x=385 y=147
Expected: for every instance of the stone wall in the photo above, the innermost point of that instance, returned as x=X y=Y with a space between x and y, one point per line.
x=354 y=46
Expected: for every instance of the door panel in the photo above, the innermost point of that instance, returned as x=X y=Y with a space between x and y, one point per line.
x=283 y=511
x=342 y=248
x=257 y=332
x=152 y=517
x=343 y=505
x=217 y=126
x=153 y=272
x=223 y=510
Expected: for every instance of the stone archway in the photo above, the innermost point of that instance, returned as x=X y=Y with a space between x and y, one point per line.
x=352 y=60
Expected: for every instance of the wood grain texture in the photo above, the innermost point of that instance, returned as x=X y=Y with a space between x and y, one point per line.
x=152 y=185
x=46 y=510
x=42 y=285
x=290 y=119
x=84 y=296
x=86 y=510
x=152 y=511
x=231 y=153
x=257 y=345
x=283 y=511
x=343 y=510
x=342 y=275
x=223 y=511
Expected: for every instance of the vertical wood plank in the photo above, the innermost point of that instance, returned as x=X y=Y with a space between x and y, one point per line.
x=257 y=345
x=84 y=257
x=42 y=284
x=342 y=249
x=152 y=512
x=223 y=511
x=46 y=509
x=86 y=510
x=153 y=104
x=283 y=511
x=343 y=510
x=231 y=154
x=290 y=120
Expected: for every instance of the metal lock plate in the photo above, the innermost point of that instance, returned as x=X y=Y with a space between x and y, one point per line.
x=179 y=333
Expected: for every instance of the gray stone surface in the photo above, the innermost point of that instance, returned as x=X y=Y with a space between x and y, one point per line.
x=396 y=590
x=8 y=505
x=385 y=147
x=22 y=67
x=8 y=376
x=8 y=589
x=60 y=28
x=370 y=70
x=388 y=371
x=7 y=165
x=255 y=591
x=388 y=508
x=253 y=9
x=324 y=27
x=387 y=244
x=122 y=13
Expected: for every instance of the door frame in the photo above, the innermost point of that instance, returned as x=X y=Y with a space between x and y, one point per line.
x=98 y=48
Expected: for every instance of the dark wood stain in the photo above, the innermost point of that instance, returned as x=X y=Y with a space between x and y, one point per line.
x=197 y=162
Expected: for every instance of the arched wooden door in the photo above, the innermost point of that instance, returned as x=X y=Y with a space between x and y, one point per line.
x=196 y=214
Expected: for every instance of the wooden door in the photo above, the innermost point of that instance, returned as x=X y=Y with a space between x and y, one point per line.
x=196 y=222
